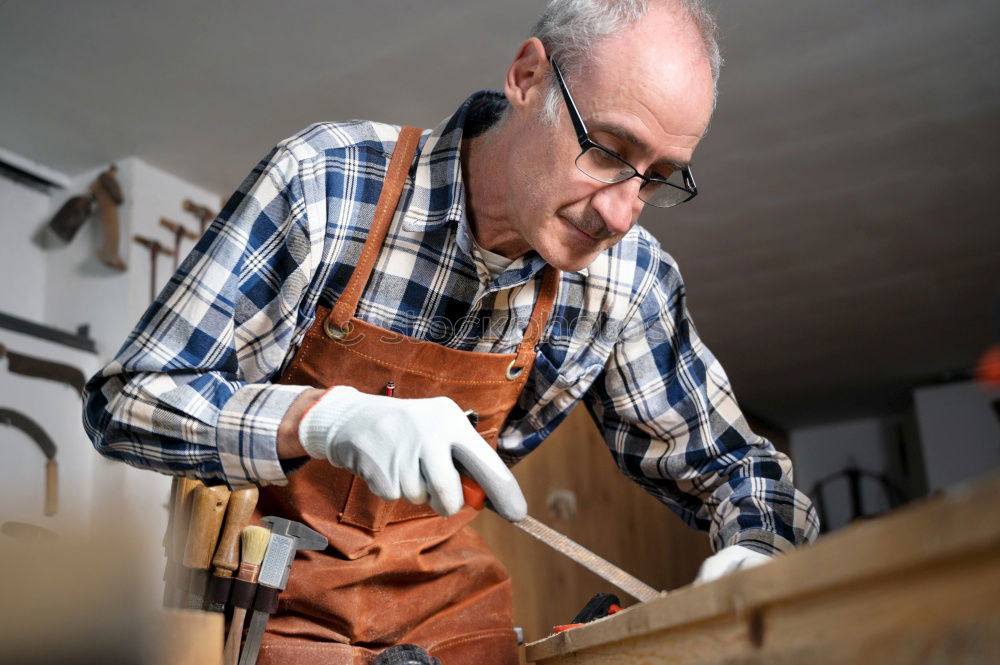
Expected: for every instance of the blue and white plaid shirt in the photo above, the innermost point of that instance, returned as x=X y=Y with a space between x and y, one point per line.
x=191 y=390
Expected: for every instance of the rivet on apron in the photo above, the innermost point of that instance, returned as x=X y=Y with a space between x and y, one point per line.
x=513 y=373
x=335 y=332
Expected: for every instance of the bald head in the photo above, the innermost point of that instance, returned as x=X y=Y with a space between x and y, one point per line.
x=574 y=31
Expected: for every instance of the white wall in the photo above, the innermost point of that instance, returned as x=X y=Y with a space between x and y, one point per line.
x=63 y=286
x=22 y=260
x=959 y=431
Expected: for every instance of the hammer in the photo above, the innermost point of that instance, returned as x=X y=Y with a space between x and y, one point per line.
x=203 y=213
x=179 y=231
x=155 y=249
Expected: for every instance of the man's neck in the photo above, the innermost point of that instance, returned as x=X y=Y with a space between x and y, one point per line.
x=485 y=195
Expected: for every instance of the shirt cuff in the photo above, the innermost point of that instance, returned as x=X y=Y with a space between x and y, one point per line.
x=247 y=433
x=764 y=542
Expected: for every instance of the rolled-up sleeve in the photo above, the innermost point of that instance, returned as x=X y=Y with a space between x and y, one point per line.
x=190 y=391
x=673 y=425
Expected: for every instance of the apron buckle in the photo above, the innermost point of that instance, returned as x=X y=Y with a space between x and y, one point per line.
x=334 y=331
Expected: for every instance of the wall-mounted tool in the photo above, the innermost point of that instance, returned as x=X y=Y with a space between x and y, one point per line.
x=208 y=509
x=287 y=538
x=227 y=554
x=180 y=231
x=255 y=540
x=107 y=192
x=18 y=420
x=71 y=216
x=155 y=249
x=40 y=368
x=204 y=214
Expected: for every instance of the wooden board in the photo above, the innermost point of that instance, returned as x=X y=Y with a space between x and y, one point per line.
x=918 y=586
x=614 y=518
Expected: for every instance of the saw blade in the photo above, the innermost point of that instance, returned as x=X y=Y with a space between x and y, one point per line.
x=592 y=562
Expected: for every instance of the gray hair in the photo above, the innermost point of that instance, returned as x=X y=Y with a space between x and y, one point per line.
x=570 y=28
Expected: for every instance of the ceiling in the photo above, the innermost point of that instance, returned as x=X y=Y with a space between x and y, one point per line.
x=841 y=250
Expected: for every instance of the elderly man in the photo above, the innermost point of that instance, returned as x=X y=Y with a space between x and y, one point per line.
x=367 y=286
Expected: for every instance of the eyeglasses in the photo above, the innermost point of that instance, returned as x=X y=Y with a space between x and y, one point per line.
x=606 y=165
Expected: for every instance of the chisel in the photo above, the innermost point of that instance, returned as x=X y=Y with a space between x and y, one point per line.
x=208 y=508
x=227 y=554
x=476 y=497
x=287 y=537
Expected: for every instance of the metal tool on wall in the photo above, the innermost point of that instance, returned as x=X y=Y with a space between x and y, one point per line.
x=107 y=193
x=155 y=249
x=40 y=368
x=20 y=421
x=180 y=231
x=204 y=214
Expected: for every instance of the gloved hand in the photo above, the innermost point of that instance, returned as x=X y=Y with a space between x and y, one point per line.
x=408 y=448
x=727 y=560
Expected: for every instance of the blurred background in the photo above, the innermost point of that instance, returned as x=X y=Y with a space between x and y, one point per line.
x=840 y=258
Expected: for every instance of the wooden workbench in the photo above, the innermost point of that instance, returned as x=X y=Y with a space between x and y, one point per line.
x=921 y=585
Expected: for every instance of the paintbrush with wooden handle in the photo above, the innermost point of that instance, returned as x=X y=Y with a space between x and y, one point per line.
x=255 y=539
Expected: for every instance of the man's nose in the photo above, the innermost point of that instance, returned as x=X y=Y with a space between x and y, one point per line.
x=618 y=204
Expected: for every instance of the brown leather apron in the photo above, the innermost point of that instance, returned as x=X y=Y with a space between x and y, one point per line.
x=394 y=572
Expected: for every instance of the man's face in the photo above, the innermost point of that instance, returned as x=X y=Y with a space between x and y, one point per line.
x=646 y=96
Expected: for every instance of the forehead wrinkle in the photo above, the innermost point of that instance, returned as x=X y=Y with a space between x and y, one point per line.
x=626 y=135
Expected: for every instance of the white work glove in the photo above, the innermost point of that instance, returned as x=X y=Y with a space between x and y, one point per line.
x=408 y=448
x=727 y=560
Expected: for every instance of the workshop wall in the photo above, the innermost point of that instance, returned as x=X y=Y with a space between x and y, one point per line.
x=63 y=285
x=21 y=259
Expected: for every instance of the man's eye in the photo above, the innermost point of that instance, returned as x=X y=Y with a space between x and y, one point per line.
x=606 y=159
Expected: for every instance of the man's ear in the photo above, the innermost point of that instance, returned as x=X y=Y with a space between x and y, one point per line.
x=525 y=82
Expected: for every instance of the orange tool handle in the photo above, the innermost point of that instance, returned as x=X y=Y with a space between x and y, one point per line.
x=473 y=493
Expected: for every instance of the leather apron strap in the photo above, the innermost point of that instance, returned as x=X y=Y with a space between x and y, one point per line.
x=395 y=179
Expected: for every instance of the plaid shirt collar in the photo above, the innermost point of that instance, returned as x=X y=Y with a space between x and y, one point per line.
x=439 y=191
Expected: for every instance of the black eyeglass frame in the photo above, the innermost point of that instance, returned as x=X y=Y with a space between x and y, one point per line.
x=587 y=143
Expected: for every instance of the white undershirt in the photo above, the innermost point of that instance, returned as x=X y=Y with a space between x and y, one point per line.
x=495 y=263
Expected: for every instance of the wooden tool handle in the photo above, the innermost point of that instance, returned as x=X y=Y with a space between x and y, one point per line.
x=181 y=516
x=207 y=510
x=241 y=505
x=108 y=251
x=51 y=487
